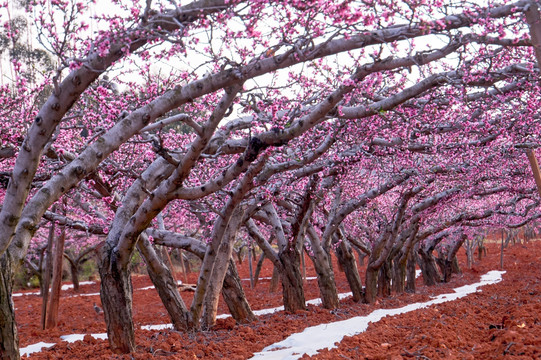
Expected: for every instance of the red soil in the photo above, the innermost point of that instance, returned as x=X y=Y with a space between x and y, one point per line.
x=504 y=320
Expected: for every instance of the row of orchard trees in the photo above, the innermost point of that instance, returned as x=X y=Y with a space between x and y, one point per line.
x=319 y=126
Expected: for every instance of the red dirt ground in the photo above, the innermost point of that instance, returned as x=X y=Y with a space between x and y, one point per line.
x=502 y=321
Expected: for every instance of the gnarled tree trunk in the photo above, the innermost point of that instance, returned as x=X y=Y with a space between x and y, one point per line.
x=384 y=279
x=455 y=267
x=234 y=296
x=447 y=259
x=324 y=271
x=429 y=269
x=77 y=260
x=346 y=258
x=56 y=287
x=371 y=284
x=258 y=269
x=410 y=272
x=232 y=289
x=219 y=268
x=9 y=341
x=290 y=274
x=286 y=261
x=378 y=271
x=448 y=267
x=74 y=271
x=399 y=274
x=47 y=274
x=327 y=285
x=445 y=268
x=273 y=286
x=116 y=298
x=401 y=258
x=377 y=260
x=166 y=285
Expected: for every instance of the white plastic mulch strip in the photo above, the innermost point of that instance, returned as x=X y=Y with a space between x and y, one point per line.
x=157 y=327
x=269 y=278
x=256 y=313
x=76 y=337
x=70 y=286
x=35 y=348
x=69 y=338
x=25 y=294
x=324 y=336
x=89 y=294
x=64 y=287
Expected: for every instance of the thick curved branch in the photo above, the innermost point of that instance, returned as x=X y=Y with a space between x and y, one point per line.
x=178 y=241
x=23 y=223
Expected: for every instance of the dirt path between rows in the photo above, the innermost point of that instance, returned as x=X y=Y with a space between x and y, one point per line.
x=501 y=321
